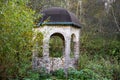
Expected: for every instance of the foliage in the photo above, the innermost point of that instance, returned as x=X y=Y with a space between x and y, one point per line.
x=100 y=64
x=100 y=40
x=16 y=34
x=38 y=44
x=95 y=67
x=59 y=74
x=43 y=74
x=31 y=75
x=56 y=46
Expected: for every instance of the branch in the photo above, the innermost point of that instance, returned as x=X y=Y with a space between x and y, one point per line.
x=115 y=20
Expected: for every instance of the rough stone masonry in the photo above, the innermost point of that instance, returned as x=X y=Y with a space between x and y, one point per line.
x=65 y=25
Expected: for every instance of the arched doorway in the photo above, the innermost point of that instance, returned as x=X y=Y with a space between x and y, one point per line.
x=56 y=45
x=56 y=50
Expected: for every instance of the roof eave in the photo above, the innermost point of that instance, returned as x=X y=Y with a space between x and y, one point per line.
x=61 y=23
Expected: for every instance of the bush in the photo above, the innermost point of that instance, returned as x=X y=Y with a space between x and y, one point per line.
x=59 y=74
x=43 y=74
x=73 y=74
x=101 y=65
x=84 y=74
x=16 y=38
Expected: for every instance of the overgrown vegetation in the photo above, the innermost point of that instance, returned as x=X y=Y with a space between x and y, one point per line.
x=100 y=40
x=91 y=67
x=16 y=39
x=56 y=43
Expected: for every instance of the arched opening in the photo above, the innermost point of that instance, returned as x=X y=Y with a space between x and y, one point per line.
x=72 y=46
x=56 y=45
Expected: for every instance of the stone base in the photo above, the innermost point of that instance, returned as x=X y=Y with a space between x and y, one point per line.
x=52 y=64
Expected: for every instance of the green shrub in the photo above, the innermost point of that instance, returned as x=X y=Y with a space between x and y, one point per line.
x=59 y=74
x=73 y=74
x=101 y=65
x=16 y=34
x=43 y=74
x=32 y=75
x=84 y=74
x=56 y=46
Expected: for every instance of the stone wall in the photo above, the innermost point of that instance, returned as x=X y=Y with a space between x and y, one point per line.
x=53 y=63
x=65 y=61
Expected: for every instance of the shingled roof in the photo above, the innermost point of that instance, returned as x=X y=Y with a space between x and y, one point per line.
x=59 y=16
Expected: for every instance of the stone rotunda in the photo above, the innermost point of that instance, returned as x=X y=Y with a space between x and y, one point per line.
x=58 y=22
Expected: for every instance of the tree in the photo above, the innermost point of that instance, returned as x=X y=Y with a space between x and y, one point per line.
x=16 y=34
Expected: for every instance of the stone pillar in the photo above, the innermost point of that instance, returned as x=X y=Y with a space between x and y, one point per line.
x=76 y=52
x=67 y=54
x=46 y=61
x=45 y=48
x=63 y=50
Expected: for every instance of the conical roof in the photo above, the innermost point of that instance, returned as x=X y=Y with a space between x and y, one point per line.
x=59 y=16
